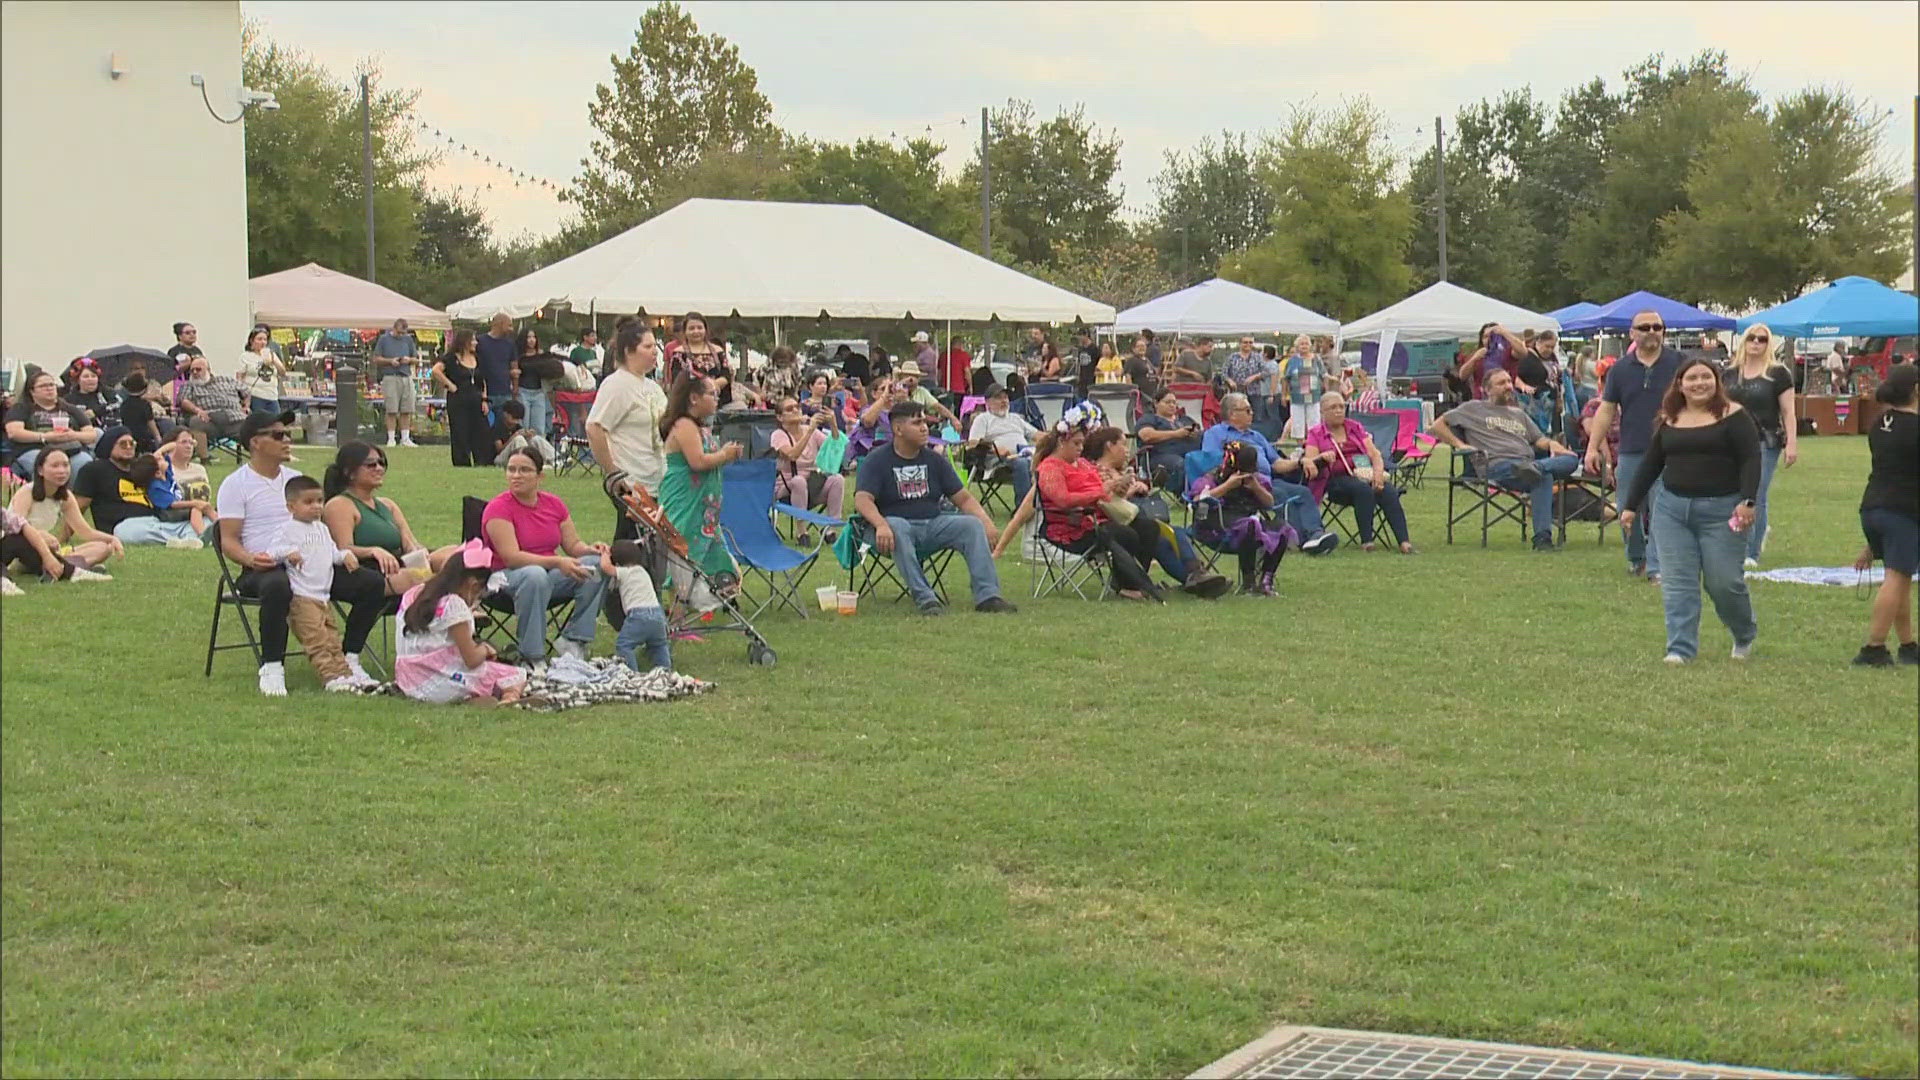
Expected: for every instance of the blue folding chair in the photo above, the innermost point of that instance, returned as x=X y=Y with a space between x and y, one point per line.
x=747 y=507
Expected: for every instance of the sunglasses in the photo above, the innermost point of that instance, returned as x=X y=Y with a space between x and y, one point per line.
x=373 y=463
x=1649 y=328
x=1761 y=340
x=281 y=435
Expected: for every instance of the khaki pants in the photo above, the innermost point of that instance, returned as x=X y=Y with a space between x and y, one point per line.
x=312 y=623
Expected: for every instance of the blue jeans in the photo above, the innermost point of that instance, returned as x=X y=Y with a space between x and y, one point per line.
x=644 y=626
x=1558 y=467
x=151 y=530
x=1022 y=468
x=1357 y=493
x=494 y=401
x=1700 y=550
x=915 y=540
x=1642 y=548
x=535 y=587
x=1302 y=510
x=263 y=407
x=1757 y=532
x=539 y=411
x=23 y=463
x=1176 y=556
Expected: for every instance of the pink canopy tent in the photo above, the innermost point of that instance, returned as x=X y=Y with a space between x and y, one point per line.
x=314 y=296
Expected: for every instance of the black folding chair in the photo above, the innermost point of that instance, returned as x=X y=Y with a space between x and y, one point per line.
x=497 y=607
x=1492 y=502
x=227 y=594
x=875 y=570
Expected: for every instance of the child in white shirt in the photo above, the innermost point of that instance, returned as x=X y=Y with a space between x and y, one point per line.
x=645 y=623
x=307 y=549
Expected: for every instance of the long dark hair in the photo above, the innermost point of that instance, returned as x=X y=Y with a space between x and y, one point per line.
x=520 y=341
x=680 y=400
x=345 y=463
x=458 y=343
x=1673 y=401
x=40 y=479
x=1098 y=441
x=426 y=602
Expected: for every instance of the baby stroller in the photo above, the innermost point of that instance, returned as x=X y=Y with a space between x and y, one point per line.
x=666 y=559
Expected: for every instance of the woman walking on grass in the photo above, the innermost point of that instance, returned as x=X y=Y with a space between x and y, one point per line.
x=1890 y=516
x=1706 y=451
x=1765 y=390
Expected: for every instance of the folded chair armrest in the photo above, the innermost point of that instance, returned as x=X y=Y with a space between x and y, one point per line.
x=808 y=516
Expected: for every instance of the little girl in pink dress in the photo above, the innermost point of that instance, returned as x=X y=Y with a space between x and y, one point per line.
x=439 y=659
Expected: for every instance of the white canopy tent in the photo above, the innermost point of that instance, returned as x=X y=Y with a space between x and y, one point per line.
x=801 y=260
x=1440 y=312
x=314 y=296
x=1220 y=306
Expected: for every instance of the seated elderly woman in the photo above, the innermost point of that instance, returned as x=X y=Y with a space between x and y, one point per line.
x=1078 y=505
x=1238 y=517
x=1351 y=472
x=371 y=525
x=533 y=539
x=1168 y=434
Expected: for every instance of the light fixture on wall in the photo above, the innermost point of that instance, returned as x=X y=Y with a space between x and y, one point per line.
x=245 y=97
x=116 y=65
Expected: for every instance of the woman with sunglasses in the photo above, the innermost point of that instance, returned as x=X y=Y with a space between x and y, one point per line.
x=1765 y=389
x=371 y=525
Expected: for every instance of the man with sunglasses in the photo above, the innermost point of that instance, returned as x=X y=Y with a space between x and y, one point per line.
x=1635 y=387
x=252 y=504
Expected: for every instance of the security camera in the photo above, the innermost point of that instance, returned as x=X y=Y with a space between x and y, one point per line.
x=270 y=105
x=251 y=97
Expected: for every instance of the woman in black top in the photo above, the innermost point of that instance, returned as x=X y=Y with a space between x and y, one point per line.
x=458 y=373
x=1890 y=516
x=86 y=395
x=1765 y=390
x=1706 y=453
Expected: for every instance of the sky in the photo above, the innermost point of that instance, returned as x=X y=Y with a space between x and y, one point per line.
x=512 y=80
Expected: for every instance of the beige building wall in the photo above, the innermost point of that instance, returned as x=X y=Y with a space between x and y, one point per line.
x=123 y=204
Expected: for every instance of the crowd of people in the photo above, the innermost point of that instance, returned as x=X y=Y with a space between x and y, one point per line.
x=1691 y=444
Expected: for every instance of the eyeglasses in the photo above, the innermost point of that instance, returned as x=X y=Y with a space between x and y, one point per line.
x=373 y=463
x=1649 y=328
x=278 y=435
x=1761 y=340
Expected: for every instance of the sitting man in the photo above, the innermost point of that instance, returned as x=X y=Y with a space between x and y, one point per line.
x=1301 y=508
x=907 y=376
x=215 y=404
x=1001 y=437
x=1505 y=438
x=510 y=434
x=898 y=493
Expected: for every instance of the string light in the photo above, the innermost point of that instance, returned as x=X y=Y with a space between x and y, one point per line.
x=521 y=177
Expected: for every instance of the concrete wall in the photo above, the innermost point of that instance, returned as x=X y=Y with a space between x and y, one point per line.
x=123 y=204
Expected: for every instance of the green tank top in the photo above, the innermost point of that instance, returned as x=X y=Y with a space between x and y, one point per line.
x=376 y=527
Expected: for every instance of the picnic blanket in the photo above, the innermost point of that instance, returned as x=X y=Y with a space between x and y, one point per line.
x=1819 y=575
x=567 y=683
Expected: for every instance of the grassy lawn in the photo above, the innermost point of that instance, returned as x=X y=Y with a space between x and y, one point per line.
x=1456 y=794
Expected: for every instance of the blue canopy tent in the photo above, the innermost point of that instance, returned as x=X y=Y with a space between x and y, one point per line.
x=1579 y=309
x=1619 y=315
x=1850 y=307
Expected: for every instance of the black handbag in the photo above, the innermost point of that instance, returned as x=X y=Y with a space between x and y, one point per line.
x=1153 y=506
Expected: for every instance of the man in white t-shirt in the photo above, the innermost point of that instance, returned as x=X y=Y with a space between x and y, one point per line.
x=623 y=427
x=252 y=504
x=1000 y=436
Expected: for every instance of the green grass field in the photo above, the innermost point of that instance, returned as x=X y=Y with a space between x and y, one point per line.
x=1453 y=794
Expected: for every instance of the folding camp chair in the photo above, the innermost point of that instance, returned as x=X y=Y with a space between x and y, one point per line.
x=1046 y=402
x=747 y=507
x=1118 y=402
x=1197 y=401
x=570 y=432
x=1412 y=448
x=1492 y=502
x=498 y=606
x=871 y=569
x=752 y=429
x=1058 y=571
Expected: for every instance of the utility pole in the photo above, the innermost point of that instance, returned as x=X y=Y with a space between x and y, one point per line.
x=366 y=165
x=986 y=192
x=1186 y=271
x=1440 y=174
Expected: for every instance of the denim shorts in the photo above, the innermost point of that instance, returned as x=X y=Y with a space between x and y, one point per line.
x=1894 y=538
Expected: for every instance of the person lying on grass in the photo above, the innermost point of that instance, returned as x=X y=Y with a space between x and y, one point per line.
x=439 y=660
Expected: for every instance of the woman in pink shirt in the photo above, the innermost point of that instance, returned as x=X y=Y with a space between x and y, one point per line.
x=534 y=542
x=1352 y=472
x=795 y=443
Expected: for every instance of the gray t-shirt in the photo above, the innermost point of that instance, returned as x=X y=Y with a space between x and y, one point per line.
x=392 y=346
x=1504 y=432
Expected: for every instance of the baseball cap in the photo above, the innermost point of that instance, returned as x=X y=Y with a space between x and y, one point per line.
x=255 y=423
x=920 y=336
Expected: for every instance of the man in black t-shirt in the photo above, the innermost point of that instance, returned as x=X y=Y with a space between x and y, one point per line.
x=899 y=492
x=119 y=505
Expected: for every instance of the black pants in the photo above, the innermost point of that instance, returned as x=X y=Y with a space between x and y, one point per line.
x=1129 y=550
x=364 y=591
x=1350 y=490
x=1253 y=560
x=16 y=548
x=467 y=430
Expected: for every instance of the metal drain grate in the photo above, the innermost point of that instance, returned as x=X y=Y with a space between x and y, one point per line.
x=1297 y=1053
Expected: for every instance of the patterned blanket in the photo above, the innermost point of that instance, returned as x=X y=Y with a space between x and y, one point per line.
x=1819 y=575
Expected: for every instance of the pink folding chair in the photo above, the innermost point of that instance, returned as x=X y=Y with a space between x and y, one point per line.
x=1412 y=447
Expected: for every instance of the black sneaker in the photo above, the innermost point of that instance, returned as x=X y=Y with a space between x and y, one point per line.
x=1543 y=542
x=1873 y=656
x=1909 y=653
x=931 y=610
x=994 y=605
x=1320 y=544
x=1206 y=585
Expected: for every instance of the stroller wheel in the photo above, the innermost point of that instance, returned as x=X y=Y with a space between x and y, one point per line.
x=760 y=654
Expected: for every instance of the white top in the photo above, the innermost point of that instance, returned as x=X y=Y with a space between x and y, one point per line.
x=630 y=407
x=453 y=612
x=636 y=588
x=1008 y=432
x=313 y=578
x=248 y=372
x=257 y=503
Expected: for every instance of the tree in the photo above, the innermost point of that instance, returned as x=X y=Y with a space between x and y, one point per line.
x=1340 y=229
x=1777 y=205
x=676 y=96
x=1491 y=244
x=1051 y=182
x=305 y=196
x=1211 y=203
x=457 y=255
x=1122 y=272
x=903 y=182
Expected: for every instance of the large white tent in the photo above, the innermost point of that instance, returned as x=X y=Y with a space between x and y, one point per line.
x=1220 y=306
x=801 y=260
x=1444 y=312
x=314 y=296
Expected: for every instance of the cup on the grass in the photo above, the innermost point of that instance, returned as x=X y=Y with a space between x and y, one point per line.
x=849 y=601
x=828 y=597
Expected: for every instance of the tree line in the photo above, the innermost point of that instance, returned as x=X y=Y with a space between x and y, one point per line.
x=1683 y=181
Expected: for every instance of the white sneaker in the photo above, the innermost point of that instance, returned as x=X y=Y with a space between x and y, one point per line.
x=569 y=649
x=1675 y=658
x=1741 y=652
x=273 y=680
x=407 y=440
x=392 y=440
x=1751 y=563
x=8 y=588
x=81 y=573
x=343 y=684
x=184 y=543
x=360 y=673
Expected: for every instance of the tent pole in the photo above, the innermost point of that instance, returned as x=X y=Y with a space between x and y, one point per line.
x=949 y=352
x=776 y=331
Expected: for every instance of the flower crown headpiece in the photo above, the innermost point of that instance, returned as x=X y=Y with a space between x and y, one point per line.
x=1082 y=417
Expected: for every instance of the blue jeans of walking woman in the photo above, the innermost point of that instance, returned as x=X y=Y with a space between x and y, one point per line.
x=1698 y=550
x=535 y=588
x=1757 y=532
